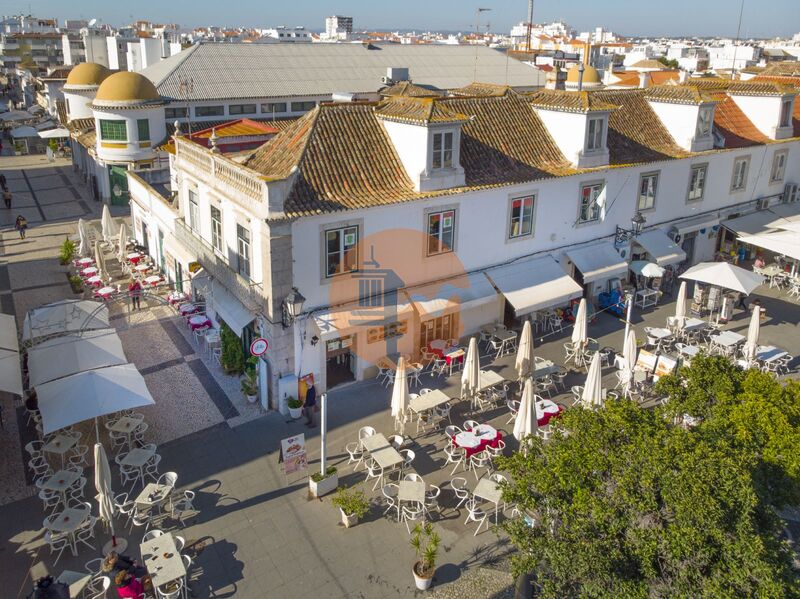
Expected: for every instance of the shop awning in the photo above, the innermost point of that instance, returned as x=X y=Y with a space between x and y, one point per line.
x=348 y=318
x=223 y=302
x=598 y=261
x=786 y=243
x=763 y=221
x=459 y=293
x=663 y=251
x=531 y=285
x=690 y=225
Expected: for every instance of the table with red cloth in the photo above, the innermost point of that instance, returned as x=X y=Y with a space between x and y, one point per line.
x=187 y=308
x=142 y=268
x=177 y=297
x=134 y=257
x=199 y=321
x=441 y=349
x=547 y=409
x=478 y=439
x=153 y=280
x=95 y=281
x=89 y=272
x=84 y=262
x=105 y=292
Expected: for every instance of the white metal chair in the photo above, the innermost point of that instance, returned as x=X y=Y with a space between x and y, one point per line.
x=182 y=506
x=432 y=499
x=50 y=500
x=411 y=513
x=408 y=457
x=475 y=514
x=459 y=486
x=152 y=534
x=451 y=431
x=57 y=543
x=470 y=424
x=374 y=471
x=478 y=460
x=443 y=412
x=97 y=588
x=455 y=455
x=389 y=492
x=413 y=477
x=171 y=590
x=94 y=566
x=365 y=432
x=513 y=410
x=86 y=532
x=397 y=441
x=356 y=454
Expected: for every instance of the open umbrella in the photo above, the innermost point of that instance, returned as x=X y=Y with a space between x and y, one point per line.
x=123 y=241
x=680 y=305
x=579 y=330
x=525 y=423
x=471 y=377
x=524 y=361
x=593 y=390
x=724 y=275
x=105 y=496
x=751 y=345
x=400 y=396
x=10 y=371
x=109 y=227
x=646 y=269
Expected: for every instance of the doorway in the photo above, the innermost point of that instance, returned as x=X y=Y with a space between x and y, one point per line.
x=118 y=183
x=688 y=247
x=340 y=362
x=145 y=238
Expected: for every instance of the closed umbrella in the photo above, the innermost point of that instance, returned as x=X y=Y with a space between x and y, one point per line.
x=123 y=241
x=680 y=306
x=471 y=377
x=593 y=390
x=629 y=357
x=525 y=423
x=100 y=260
x=84 y=245
x=400 y=396
x=109 y=228
x=524 y=362
x=751 y=345
x=105 y=496
x=579 y=330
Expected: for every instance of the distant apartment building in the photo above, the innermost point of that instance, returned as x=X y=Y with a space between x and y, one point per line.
x=29 y=49
x=338 y=27
x=287 y=34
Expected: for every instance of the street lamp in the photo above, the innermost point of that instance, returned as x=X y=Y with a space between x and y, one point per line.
x=292 y=307
x=623 y=235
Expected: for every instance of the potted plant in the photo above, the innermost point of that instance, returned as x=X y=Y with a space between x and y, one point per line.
x=295 y=407
x=76 y=283
x=321 y=484
x=425 y=542
x=249 y=380
x=67 y=252
x=232 y=355
x=352 y=504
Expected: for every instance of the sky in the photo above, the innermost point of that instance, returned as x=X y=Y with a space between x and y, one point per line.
x=626 y=17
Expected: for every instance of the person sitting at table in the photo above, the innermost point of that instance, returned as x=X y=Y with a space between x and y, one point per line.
x=115 y=563
x=759 y=262
x=128 y=587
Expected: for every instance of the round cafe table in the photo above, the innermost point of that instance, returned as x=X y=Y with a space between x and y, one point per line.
x=478 y=439
x=187 y=308
x=176 y=297
x=199 y=321
x=94 y=281
x=142 y=268
x=153 y=280
x=89 y=271
x=545 y=410
x=105 y=292
x=134 y=257
x=84 y=262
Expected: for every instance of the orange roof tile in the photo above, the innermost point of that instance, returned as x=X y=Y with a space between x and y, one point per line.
x=238 y=128
x=417 y=110
x=569 y=101
x=735 y=127
x=679 y=94
x=412 y=90
x=662 y=77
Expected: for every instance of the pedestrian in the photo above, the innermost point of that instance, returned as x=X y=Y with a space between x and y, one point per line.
x=310 y=405
x=740 y=303
x=135 y=293
x=7 y=197
x=3 y=182
x=21 y=224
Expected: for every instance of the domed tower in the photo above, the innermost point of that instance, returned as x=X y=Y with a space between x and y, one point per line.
x=81 y=87
x=129 y=118
x=591 y=78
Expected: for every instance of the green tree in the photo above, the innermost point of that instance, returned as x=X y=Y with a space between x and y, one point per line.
x=670 y=63
x=231 y=354
x=627 y=504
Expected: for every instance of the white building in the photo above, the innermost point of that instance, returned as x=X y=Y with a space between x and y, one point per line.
x=338 y=28
x=424 y=217
x=288 y=34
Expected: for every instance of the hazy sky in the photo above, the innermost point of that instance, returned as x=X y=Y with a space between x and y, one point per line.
x=627 y=17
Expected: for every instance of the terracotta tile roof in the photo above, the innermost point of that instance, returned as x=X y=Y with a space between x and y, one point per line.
x=647 y=64
x=418 y=110
x=662 y=77
x=735 y=127
x=679 y=94
x=796 y=119
x=277 y=158
x=569 y=101
x=482 y=90
x=759 y=88
x=626 y=79
x=412 y=90
x=87 y=139
x=237 y=128
x=80 y=125
x=782 y=79
x=791 y=68
x=709 y=83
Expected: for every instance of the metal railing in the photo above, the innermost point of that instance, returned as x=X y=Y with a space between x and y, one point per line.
x=223 y=169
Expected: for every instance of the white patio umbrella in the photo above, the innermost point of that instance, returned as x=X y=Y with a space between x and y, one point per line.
x=10 y=371
x=84 y=245
x=123 y=241
x=524 y=361
x=471 y=377
x=579 y=330
x=105 y=497
x=724 y=275
x=629 y=357
x=100 y=260
x=680 y=305
x=109 y=227
x=400 y=396
x=751 y=345
x=525 y=423
x=66 y=316
x=646 y=269
x=593 y=389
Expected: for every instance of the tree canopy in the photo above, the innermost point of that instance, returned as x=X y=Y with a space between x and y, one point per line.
x=626 y=502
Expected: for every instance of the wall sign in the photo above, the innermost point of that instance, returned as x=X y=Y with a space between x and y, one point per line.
x=259 y=346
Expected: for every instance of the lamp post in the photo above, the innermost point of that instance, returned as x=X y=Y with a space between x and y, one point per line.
x=623 y=235
x=292 y=307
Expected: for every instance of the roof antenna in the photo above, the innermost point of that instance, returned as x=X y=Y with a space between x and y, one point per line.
x=477 y=31
x=736 y=46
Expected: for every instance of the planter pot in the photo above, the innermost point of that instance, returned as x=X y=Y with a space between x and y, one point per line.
x=423 y=584
x=323 y=487
x=348 y=520
x=295 y=413
x=252 y=398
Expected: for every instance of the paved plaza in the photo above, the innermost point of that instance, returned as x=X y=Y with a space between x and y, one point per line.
x=255 y=533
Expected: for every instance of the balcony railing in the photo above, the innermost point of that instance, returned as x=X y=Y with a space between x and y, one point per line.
x=249 y=293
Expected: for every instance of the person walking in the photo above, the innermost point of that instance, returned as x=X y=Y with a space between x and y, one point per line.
x=3 y=182
x=21 y=224
x=7 y=197
x=135 y=293
x=310 y=405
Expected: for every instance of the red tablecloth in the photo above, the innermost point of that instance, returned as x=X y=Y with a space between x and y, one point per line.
x=442 y=353
x=153 y=280
x=199 y=322
x=547 y=416
x=186 y=309
x=134 y=259
x=484 y=443
x=89 y=272
x=95 y=281
x=105 y=292
x=177 y=298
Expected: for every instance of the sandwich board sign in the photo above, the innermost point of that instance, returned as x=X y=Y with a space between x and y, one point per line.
x=293 y=451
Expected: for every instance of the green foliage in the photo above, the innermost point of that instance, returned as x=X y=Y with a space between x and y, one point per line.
x=232 y=356
x=248 y=383
x=318 y=477
x=628 y=504
x=76 y=283
x=67 y=251
x=351 y=501
x=425 y=542
x=294 y=403
x=670 y=63
x=52 y=144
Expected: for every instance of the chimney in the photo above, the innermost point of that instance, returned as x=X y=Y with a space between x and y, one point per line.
x=682 y=76
x=644 y=80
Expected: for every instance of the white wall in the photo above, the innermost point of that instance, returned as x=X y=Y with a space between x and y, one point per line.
x=763 y=111
x=133 y=149
x=568 y=130
x=411 y=143
x=79 y=104
x=679 y=119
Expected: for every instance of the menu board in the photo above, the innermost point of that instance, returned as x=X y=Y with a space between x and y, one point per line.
x=293 y=450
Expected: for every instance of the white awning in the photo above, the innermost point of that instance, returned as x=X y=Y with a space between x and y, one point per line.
x=8 y=332
x=223 y=302
x=786 y=243
x=598 y=261
x=54 y=133
x=68 y=316
x=763 y=221
x=661 y=248
x=690 y=225
x=343 y=320
x=459 y=293
x=10 y=372
x=531 y=285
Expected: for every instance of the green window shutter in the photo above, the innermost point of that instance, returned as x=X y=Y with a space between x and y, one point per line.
x=144 y=129
x=113 y=130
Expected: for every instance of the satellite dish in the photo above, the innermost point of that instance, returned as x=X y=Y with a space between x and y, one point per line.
x=93 y=22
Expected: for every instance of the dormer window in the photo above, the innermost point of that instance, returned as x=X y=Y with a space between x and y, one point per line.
x=786 y=112
x=442 y=150
x=704 y=119
x=594 y=137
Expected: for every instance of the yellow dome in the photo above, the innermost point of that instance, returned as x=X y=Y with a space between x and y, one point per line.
x=127 y=87
x=87 y=73
x=590 y=75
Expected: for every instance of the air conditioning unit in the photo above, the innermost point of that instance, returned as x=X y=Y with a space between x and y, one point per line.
x=675 y=236
x=624 y=251
x=386 y=80
x=762 y=203
x=791 y=193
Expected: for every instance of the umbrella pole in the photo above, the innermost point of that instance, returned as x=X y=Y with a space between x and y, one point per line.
x=323 y=432
x=96 y=429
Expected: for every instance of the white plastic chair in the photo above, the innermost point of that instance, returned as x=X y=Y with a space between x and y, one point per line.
x=413 y=477
x=432 y=499
x=356 y=454
x=152 y=534
x=459 y=486
x=455 y=455
x=475 y=514
x=365 y=432
x=374 y=470
x=389 y=492
x=513 y=410
x=412 y=513
x=97 y=588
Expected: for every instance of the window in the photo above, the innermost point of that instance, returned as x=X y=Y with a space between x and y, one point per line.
x=209 y=110
x=341 y=255
x=442 y=150
x=387 y=331
x=303 y=106
x=216 y=228
x=441 y=231
x=786 y=113
x=143 y=125
x=242 y=109
x=590 y=209
x=648 y=185
x=778 y=166
x=704 y=118
x=273 y=107
x=113 y=130
x=243 y=251
x=444 y=327
x=194 y=215
x=594 y=140
x=176 y=113
x=697 y=182
x=739 y=178
x=521 y=217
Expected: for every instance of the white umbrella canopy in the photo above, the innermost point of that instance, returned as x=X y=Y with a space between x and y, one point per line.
x=123 y=241
x=63 y=356
x=10 y=372
x=646 y=269
x=109 y=227
x=629 y=357
x=471 y=377
x=524 y=361
x=593 y=389
x=8 y=333
x=525 y=423
x=99 y=259
x=54 y=133
x=102 y=482
x=67 y=316
x=724 y=275
x=579 y=330
x=751 y=345
x=680 y=305
x=90 y=394
x=400 y=397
